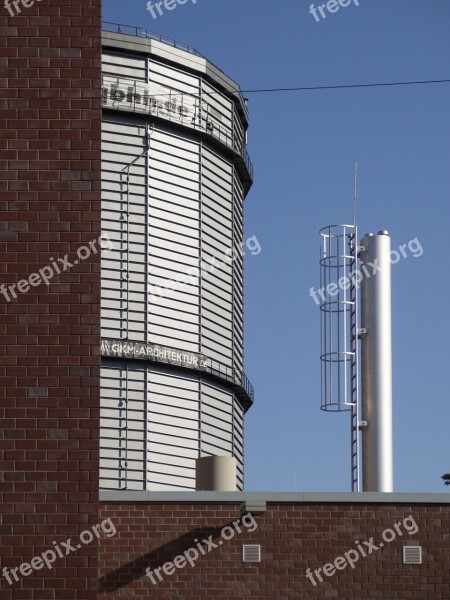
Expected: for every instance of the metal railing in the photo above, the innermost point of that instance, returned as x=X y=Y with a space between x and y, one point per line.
x=248 y=162
x=230 y=374
x=144 y=33
x=124 y=348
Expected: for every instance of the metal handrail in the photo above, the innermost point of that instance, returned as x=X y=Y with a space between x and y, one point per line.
x=145 y=33
x=247 y=161
x=231 y=374
x=213 y=367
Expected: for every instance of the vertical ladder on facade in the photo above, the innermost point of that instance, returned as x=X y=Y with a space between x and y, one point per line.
x=354 y=367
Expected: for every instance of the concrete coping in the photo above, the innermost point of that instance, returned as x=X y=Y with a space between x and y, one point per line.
x=276 y=497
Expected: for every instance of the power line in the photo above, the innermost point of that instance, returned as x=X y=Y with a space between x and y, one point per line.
x=342 y=87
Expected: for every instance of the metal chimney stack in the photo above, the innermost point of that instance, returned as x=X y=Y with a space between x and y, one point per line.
x=376 y=363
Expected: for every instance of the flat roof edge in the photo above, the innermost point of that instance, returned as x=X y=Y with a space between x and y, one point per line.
x=277 y=497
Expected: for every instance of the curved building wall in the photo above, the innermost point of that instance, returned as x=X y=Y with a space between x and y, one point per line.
x=175 y=174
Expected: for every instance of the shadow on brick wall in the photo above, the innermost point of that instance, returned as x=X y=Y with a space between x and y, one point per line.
x=135 y=569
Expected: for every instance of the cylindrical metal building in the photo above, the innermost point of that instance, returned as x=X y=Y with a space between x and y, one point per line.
x=175 y=175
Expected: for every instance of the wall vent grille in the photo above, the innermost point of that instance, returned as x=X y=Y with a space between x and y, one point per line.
x=251 y=553
x=412 y=555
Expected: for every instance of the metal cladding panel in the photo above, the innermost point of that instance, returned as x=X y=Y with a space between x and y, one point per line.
x=149 y=419
x=213 y=394
x=215 y=205
x=174 y=251
x=122 y=65
x=218 y=287
x=218 y=114
x=169 y=253
x=172 y=79
x=156 y=321
x=177 y=92
x=217 y=236
x=221 y=411
x=240 y=138
x=123 y=268
x=215 y=445
x=221 y=426
x=154 y=266
x=210 y=327
x=155 y=424
x=214 y=227
x=238 y=428
x=220 y=106
x=213 y=310
x=222 y=226
x=238 y=274
x=188 y=318
x=182 y=153
x=123 y=424
x=217 y=240
x=160 y=270
x=217 y=188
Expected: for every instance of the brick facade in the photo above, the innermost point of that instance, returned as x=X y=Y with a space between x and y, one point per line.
x=293 y=537
x=49 y=356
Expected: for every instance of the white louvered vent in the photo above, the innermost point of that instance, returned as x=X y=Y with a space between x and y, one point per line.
x=412 y=555
x=251 y=553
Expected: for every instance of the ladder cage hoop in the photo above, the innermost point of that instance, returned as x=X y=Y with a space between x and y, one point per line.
x=339 y=329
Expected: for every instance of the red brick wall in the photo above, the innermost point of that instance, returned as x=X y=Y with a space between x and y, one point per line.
x=293 y=537
x=49 y=355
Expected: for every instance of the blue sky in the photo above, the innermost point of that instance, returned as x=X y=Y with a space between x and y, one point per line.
x=303 y=146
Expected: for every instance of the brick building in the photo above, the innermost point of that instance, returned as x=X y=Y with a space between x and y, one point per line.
x=295 y=532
